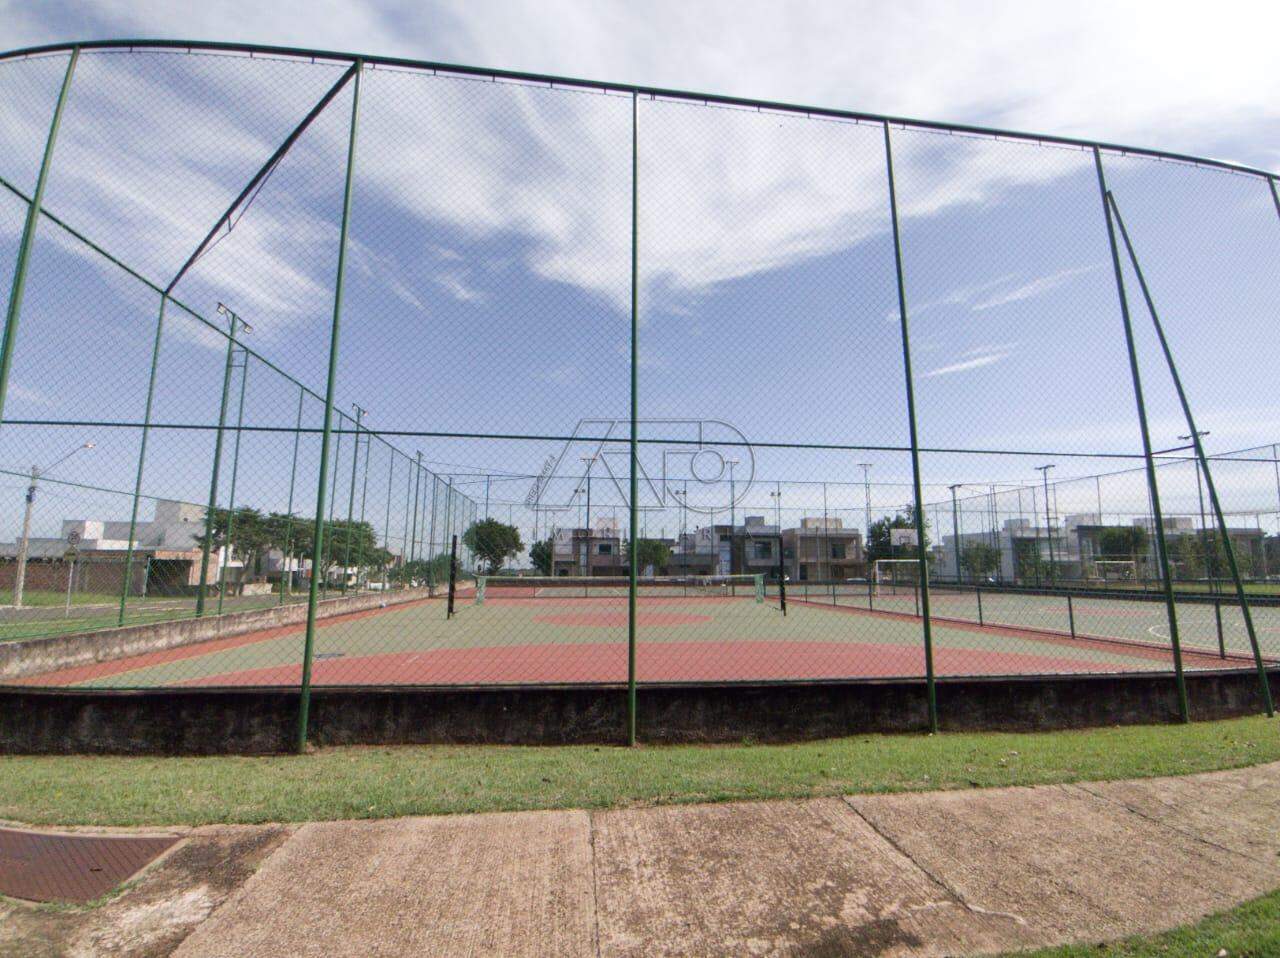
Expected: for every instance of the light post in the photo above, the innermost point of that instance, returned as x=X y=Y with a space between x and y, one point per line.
x=955 y=526
x=24 y=544
x=235 y=324
x=1048 y=521
x=733 y=515
x=1210 y=565
x=586 y=564
x=866 y=491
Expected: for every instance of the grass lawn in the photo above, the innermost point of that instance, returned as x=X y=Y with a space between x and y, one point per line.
x=1250 y=931
x=365 y=782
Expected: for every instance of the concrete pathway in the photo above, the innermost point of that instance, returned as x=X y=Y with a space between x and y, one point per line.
x=941 y=873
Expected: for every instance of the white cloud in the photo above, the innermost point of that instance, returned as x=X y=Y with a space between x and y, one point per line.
x=978 y=360
x=1033 y=288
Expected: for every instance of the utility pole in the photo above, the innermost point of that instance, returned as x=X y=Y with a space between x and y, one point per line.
x=24 y=544
x=955 y=525
x=1048 y=521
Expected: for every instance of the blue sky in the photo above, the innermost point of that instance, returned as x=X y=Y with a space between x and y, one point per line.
x=488 y=278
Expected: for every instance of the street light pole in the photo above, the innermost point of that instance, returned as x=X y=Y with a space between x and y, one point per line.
x=866 y=491
x=24 y=544
x=955 y=526
x=1048 y=521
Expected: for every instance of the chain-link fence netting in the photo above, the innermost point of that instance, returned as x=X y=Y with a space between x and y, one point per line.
x=325 y=371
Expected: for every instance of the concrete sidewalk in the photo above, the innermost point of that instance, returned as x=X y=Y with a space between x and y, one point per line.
x=941 y=873
x=938 y=873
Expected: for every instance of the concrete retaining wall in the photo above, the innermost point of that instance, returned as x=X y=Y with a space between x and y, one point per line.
x=34 y=656
x=211 y=721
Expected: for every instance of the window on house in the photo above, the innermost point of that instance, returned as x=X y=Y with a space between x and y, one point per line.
x=604 y=548
x=837 y=550
x=762 y=550
x=725 y=537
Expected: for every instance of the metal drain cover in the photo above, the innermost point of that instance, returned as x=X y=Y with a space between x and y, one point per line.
x=52 y=866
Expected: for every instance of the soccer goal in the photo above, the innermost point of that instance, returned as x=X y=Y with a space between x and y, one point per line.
x=613 y=587
x=1115 y=570
x=895 y=576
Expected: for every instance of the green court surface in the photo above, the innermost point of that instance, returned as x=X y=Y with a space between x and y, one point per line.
x=583 y=639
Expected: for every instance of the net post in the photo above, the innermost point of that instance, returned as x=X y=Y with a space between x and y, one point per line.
x=142 y=458
x=313 y=595
x=1152 y=485
x=978 y=591
x=18 y=288
x=922 y=592
x=453 y=575
x=1071 y=615
x=1210 y=485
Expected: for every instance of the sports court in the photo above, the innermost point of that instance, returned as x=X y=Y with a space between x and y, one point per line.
x=572 y=632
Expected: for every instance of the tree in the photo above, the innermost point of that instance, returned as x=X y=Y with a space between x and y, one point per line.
x=1123 y=542
x=879 y=538
x=540 y=556
x=493 y=542
x=652 y=553
x=1028 y=563
x=250 y=532
x=979 y=559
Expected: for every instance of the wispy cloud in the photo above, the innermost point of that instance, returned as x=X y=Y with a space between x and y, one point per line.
x=977 y=358
x=1036 y=287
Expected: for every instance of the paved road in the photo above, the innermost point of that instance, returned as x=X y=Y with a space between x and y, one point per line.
x=942 y=873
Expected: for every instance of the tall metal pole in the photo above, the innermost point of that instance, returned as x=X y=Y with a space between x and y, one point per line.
x=635 y=363
x=386 y=522
x=1196 y=434
x=235 y=473
x=203 y=589
x=308 y=650
x=955 y=526
x=413 y=526
x=142 y=458
x=431 y=535
x=287 y=573
x=364 y=499
x=351 y=498
x=1048 y=523
x=931 y=690
x=1152 y=486
x=16 y=291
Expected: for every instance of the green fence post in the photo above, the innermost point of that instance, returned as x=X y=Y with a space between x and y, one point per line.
x=1152 y=486
x=142 y=458
x=1232 y=564
x=351 y=499
x=286 y=573
x=203 y=590
x=386 y=522
x=918 y=510
x=235 y=475
x=413 y=526
x=633 y=513
x=19 y=286
x=364 y=499
x=333 y=501
x=431 y=539
x=308 y=649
